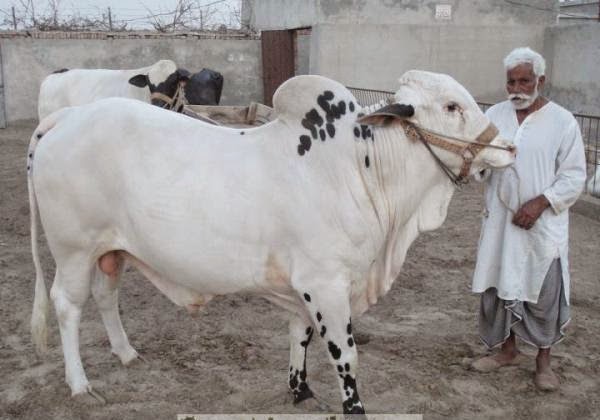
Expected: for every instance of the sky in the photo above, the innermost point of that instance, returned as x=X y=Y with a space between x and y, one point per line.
x=133 y=11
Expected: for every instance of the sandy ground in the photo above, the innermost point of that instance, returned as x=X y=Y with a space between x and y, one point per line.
x=233 y=358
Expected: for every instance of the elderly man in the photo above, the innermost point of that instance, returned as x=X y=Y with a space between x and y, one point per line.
x=522 y=269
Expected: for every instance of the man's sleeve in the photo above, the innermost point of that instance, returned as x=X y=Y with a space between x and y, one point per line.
x=570 y=171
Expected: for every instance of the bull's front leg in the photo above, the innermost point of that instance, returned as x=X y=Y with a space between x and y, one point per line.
x=329 y=306
x=301 y=333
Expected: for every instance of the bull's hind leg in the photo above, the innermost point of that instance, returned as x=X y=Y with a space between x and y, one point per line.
x=70 y=291
x=329 y=305
x=105 y=289
x=301 y=333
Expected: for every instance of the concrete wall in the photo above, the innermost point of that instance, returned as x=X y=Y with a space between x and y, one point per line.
x=303 y=42
x=289 y=14
x=370 y=43
x=574 y=70
x=583 y=8
x=26 y=61
x=375 y=56
x=278 y=14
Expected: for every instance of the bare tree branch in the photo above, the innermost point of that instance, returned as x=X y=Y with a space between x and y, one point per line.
x=188 y=15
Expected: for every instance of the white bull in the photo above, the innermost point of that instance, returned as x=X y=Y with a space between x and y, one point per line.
x=314 y=211
x=82 y=86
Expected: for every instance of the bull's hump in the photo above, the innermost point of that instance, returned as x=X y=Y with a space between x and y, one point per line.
x=298 y=95
x=317 y=105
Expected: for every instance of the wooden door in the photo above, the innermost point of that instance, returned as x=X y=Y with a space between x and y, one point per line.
x=277 y=60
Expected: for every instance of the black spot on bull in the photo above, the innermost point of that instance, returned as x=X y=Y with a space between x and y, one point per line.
x=299 y=387
x=332 y=112
x=307 y=297
x=294 y=380
x=323 y=330
x=304 y=146
x=305 y=343
x=363 y=132
x=366 y=132
x=352 y=404
x=204 y=88
x=335 y=351
x=313 y=120
x=297 y=382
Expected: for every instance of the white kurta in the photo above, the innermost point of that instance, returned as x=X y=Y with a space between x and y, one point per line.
x=551 y=161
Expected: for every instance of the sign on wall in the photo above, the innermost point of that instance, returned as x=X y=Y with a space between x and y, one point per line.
x=443 y=12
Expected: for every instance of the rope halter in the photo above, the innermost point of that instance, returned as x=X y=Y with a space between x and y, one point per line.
x=176 y=102
x=468 y=152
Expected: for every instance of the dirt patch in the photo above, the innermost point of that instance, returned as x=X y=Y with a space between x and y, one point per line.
x=233 y=357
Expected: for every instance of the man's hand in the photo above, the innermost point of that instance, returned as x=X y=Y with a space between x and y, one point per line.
x=527 y=215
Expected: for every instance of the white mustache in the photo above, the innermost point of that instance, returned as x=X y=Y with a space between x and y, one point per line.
x=519 y=97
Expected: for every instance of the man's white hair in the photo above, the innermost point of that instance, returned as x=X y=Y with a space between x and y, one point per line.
x=525 y=55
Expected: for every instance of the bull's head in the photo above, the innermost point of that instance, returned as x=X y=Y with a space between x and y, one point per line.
x=163 y=80
x=432 y=107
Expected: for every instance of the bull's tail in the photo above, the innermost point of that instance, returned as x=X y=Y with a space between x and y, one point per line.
x=39 y=314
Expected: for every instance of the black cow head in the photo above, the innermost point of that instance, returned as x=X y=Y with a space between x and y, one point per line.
x=204 y=88
x=167 y=87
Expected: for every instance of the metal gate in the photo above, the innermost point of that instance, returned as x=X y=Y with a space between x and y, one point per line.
x=277 y=60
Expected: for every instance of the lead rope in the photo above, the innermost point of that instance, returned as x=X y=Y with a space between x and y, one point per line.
x=178 y=100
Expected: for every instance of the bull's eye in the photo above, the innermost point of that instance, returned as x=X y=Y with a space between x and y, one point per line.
x=452 y=107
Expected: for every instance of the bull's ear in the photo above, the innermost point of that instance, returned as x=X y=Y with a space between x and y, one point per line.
x=140 y=80
x=387 y=114
x=183 y=74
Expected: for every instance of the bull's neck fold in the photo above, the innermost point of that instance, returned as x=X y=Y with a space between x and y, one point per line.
x=408 y=194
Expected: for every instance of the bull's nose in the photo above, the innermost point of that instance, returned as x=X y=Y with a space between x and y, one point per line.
x=510 y=146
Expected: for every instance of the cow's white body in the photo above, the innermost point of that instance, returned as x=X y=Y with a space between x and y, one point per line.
x=82 y=86
x=204 y=210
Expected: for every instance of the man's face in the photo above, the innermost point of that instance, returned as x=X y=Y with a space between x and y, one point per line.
x=523 y=86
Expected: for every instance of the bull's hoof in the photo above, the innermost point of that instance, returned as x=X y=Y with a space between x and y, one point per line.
x=89 y=397
x=302 y=395
x=128 y=356
x=357 y=411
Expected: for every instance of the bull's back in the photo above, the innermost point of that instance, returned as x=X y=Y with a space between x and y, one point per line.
x=82 y=86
